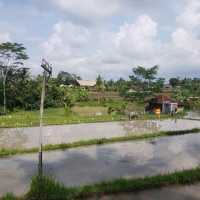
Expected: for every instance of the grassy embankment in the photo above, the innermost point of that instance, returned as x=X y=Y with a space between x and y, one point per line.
x=65 y=146
x=55 y=116
x=58 y=116
x=52 y=190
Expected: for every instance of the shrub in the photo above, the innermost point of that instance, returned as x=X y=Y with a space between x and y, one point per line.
x=117 y=108
x=46 y=188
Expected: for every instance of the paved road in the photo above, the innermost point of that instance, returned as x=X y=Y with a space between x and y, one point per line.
x=28 y=137
x=97 y=163
x=190 y=192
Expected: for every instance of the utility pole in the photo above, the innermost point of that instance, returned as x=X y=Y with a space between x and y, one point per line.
x=46 y=74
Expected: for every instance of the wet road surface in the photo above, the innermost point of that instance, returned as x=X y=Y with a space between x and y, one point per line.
x=190 y=192
x=99 y=163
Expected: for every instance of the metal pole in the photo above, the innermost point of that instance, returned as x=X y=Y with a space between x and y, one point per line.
x=40 y=165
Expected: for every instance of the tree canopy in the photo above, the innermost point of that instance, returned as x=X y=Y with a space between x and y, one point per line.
x=67 y=79
x=12 y=56
x=144 y=74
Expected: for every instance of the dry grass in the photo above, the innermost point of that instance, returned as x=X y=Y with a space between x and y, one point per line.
x=90 y=111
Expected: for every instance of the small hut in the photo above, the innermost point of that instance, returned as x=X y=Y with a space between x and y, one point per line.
x=162 y=103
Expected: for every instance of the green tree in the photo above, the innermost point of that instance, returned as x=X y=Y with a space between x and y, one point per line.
x=143 y=75
x=67 y=78
x=18 y=87
x=99 y=82
x=69 y=98
x=110 y=85
x=12 y=56
x=54 y=96
x=143 y=82
x=174 y=82
x=99 y=86
x=158 y=85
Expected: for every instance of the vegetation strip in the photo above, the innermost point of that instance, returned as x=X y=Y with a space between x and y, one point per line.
x=26 y=120
x=52 y=190
x=9 y=152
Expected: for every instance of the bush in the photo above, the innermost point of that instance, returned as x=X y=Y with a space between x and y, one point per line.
x=117 y=108
x=46 y=188
x=73 y=95
x=192 y=104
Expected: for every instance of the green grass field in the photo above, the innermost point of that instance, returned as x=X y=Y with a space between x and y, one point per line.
x=59 y=116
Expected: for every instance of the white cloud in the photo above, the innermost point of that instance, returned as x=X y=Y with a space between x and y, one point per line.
x=107 y=36
x=67 y=48
x=66 y=40
x=190 y=16
x=92 y=50
x=89 y=8
x=183 y=51
x=138 y=39
x=185 y=41
x=4 y=37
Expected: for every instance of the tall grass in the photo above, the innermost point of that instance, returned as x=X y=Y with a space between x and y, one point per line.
x=10 y=196
x=46 y=188
x=52 y=190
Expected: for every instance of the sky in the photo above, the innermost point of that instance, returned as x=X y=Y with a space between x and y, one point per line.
x=91 y=37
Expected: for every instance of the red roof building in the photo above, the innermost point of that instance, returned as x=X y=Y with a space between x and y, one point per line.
x=164 y=103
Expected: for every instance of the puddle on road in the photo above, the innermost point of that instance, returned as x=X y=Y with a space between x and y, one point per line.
x=129 y=159
x=93 y=164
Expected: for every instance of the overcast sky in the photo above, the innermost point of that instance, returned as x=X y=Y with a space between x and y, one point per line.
x=107 y=37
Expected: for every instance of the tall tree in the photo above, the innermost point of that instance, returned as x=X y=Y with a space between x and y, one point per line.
x=67 y=78
x=99 y=86
x=174 y=82
x=141 y=74
x=12 y=56
x=158 y=85
x=99 y=82
x=17 y=87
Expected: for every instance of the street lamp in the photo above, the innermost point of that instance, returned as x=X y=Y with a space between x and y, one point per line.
x=46 y=74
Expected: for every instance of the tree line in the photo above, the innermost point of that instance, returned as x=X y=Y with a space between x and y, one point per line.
x=19 y=89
